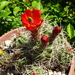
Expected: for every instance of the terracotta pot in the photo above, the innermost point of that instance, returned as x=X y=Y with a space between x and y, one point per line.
x=72 y=67
x=17 y=32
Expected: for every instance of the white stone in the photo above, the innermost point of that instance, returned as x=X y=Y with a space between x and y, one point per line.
x=5 y=47
x=50 y=72
x=62 y=74
x=12 y=74
x=8 y=73
x=8 y=43
x=55 y=73
x=59 y=73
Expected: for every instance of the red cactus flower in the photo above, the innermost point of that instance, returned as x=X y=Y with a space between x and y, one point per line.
x=44 y=40
x=31 y=19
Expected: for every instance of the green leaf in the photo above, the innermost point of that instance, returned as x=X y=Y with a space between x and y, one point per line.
x=56 y=8
x=24 y=1
x=16 y=10
x=37 y=5
x=34 y=4
x=70 y=30
x=74 y=32
x=66 y=8
x=3 y=4
x=5 y=13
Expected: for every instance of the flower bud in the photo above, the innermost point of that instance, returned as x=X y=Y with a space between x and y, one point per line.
x=44 y=40
x=56 y=30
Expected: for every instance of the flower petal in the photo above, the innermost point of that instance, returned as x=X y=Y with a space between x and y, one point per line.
x=31 y=19
x=24 y=18
x=29 y=26
x=36 y=15
x=40 y=22
x=28 y=13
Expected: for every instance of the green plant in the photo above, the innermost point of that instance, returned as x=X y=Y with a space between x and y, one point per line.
x=9 y=15
x=71 y=31
x=71 y=34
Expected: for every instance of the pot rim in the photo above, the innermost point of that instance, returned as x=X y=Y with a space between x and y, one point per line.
x=10 y=34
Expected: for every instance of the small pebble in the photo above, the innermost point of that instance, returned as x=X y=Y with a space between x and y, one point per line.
x=11 y=74
x=8 y=73
x=55 y=73
x=59 y=73
x=50 y=72
x=8 y=43
x=63 y=74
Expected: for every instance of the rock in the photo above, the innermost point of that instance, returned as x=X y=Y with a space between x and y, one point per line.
x=50 y=72
x=8 y=43
x=59 y=73
x=55 y=73
x=63 y=74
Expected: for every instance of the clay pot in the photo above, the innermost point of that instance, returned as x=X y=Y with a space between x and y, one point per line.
x=17 y=32
x=72 y=67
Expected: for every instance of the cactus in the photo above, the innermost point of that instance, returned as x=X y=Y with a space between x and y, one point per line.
x=40 y=56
